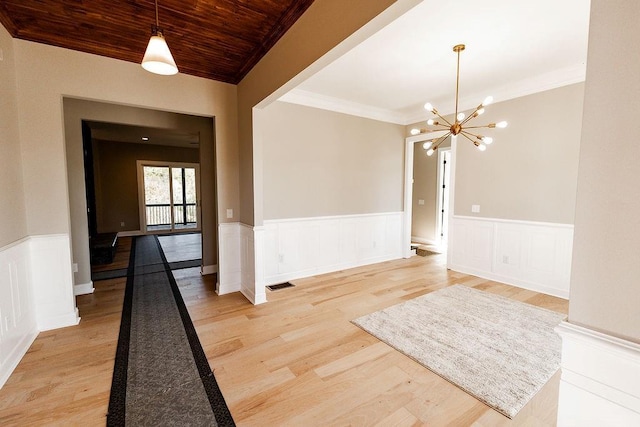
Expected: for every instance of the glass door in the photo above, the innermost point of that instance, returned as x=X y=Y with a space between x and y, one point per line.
x=170 y=197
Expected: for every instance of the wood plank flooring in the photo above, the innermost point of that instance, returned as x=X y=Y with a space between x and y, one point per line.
x=296 y=360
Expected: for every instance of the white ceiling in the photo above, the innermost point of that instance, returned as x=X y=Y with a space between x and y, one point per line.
x=513 y=48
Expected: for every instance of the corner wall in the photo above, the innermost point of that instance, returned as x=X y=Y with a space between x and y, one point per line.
x=13 y=224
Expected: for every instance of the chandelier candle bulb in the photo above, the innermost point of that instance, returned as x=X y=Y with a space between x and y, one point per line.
x=501 y=124
x=415 y=131
x=427 y=145
x=488 y=100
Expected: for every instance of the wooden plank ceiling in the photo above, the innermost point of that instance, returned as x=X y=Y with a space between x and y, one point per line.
x=216 y=39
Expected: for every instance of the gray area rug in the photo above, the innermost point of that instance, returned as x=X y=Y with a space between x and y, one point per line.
x=161 y=374
x=498 y=350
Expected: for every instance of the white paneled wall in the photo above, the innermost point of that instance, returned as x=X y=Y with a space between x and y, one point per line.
x=53 y=281
x=230 y=266
x=36 y=294
x=530 y=255
x=295 y=248
x=18 y=326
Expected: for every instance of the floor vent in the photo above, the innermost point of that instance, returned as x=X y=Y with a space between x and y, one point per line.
x=280 y=286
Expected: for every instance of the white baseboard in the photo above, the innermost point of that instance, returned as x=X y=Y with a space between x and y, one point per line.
x=600 y=379
x=130 y=233
x=422 y=240
x=59 y=321
x=208 y=269
x=83 y=289
x=16 y=355
x=530 y=255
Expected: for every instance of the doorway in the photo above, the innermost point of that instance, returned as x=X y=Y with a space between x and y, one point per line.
x=170 y=199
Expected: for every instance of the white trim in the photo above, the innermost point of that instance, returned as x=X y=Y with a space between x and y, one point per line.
x=83 y=289
x=140 y=164
x=516 y=221
x=229 y=263
x=541 y=83
x=418 y=239
x=600 y=377
x=322 y=218
x=527 y=254
x=325 y=102
x=408 y=186
x=208 y=269
x=52 y=281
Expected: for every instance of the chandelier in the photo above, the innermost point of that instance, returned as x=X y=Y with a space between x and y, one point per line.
x=459 y=126
x=157 y=58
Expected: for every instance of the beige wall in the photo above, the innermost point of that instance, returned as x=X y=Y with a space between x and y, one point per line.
x=325 y=25
x=425 y=187
x=605 y=290
x=530 y=171
x=46 y=74
x=13 y=225
x=117 y=198
x=321 y=163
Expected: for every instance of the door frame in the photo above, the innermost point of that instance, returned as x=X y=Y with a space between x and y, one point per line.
x=142 y=212
x=408 y=188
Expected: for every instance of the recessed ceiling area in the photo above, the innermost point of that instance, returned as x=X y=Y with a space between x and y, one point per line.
x=216 y=39
x=512 y=49
x=115 y=132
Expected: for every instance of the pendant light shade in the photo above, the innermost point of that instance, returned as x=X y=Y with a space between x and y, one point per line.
x=157 y=58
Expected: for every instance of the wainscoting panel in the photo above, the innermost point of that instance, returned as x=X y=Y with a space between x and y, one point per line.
x=296 y=248
x=600 y=377
x=53 y=281
x=530 y=255
x=230 y=265
x=18 y=326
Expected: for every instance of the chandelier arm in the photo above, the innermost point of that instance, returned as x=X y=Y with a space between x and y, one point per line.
x=465 y=133
x=440 y=141
x=476 y=143
x=157 y=22
x=479 y=127
x=472 y=115
x=442 y=118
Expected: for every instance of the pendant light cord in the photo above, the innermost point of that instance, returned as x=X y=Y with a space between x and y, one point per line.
x=157 y=24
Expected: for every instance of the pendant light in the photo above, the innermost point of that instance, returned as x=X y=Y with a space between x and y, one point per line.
x=157 y=58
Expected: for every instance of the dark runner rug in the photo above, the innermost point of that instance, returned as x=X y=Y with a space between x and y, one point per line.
x=122 y=272
x=161 y=375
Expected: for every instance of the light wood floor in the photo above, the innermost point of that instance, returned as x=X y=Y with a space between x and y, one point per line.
x=296 y=360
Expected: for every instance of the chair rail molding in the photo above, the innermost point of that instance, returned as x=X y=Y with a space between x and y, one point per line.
x=527 y=254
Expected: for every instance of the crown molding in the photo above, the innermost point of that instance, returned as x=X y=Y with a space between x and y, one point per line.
x=324 y=102
x=547 y=81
